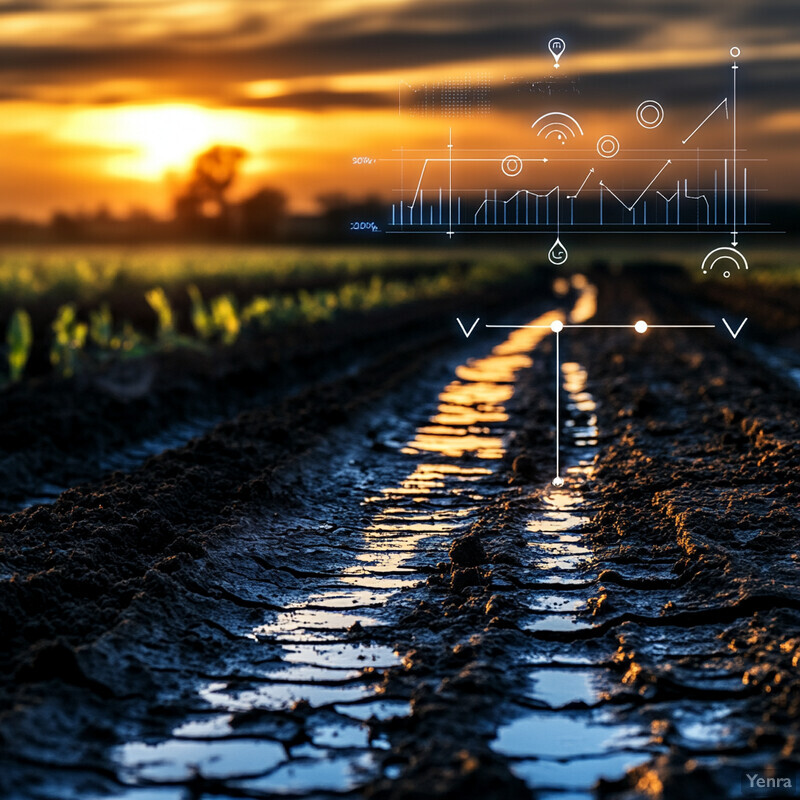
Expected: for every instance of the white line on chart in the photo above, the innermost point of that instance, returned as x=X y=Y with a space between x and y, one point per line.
x=450 y=160
x=723 y=103
x=573 y=196
x=450 y=186
x=582 y=325
x=556 y=327
x=644 y=192
x=558 y=480
x=734 y=232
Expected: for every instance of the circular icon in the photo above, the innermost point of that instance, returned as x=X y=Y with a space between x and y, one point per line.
x=511 y=166
x=735 y=52
x=649 y=114
x=608 y=146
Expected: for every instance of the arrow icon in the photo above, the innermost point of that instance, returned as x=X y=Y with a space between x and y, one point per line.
x=464 y=330
x=738 y=330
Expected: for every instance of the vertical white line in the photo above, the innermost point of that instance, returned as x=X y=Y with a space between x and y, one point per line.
x=450 y=186
x=735 y=70
x=558 y=212
x=558 y=410
x=725 y=191
x=402 y=190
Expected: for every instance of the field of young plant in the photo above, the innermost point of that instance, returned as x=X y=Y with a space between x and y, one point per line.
x=64 y=309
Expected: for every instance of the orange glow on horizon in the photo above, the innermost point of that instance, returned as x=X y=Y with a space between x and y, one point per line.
x=147 y=142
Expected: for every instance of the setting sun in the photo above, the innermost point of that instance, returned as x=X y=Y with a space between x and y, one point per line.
x=146 y=142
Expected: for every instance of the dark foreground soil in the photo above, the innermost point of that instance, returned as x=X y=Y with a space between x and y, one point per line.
x=699 y=474
x=121 y=597
x=56 y=433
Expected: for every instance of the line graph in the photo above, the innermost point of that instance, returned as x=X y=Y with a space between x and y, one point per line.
x=556 y=183
x=644 y=191
x=440 y=204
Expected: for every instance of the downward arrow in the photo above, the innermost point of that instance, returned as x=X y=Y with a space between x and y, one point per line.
x=464 y=330
x=730 y=330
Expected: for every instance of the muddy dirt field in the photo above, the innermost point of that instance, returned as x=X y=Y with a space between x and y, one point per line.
x=359 y=579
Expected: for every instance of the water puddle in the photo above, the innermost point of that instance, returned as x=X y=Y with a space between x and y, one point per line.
x=781 y=360
x=178 y=761
x=561 y=687
x=571 y=738
x=324 y=642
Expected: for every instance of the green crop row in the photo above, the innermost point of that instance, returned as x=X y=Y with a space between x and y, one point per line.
x=89 y=274
x=76 y=342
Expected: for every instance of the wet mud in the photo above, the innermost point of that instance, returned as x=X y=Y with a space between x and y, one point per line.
x=58 y=433
x=374 y=589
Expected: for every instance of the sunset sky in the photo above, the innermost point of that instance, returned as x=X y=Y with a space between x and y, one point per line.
x=106 y=101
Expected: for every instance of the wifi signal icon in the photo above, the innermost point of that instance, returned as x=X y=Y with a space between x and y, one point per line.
x=559 y=125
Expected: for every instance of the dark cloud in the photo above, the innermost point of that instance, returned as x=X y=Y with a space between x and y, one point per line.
x=762 y=85
x=321 y=101
x=248 y=26
x=21 y=6
x=417 y=34
x=320 y=55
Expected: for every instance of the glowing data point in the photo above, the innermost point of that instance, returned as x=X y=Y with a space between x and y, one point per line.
x=640 y=326
x=558 y=481
x=557 y=46
x=557 y=326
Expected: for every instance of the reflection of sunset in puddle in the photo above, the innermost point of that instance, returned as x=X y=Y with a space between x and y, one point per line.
x=566 y=749
x=416 y=515
x=312 y=656
x=476 y=398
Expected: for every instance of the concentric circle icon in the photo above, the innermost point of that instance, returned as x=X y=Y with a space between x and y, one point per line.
x=511 y=166
x=608 y=146
x=649 y=114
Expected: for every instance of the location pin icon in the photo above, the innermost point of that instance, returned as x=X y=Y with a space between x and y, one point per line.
x=557 y=46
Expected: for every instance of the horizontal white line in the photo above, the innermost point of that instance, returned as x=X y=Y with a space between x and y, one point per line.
x=602 y=326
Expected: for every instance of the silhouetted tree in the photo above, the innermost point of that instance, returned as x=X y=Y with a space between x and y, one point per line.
x=203 y=206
